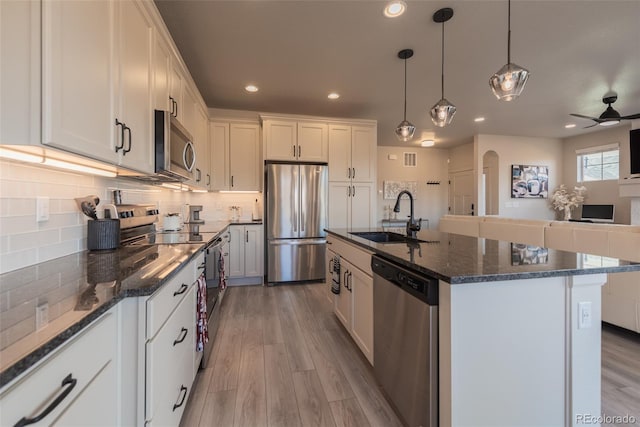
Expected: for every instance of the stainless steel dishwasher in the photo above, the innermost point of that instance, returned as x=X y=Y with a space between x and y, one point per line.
x=405 y=342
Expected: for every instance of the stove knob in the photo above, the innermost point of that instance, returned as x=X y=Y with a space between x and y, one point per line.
x=122 y=214
x=401 y=277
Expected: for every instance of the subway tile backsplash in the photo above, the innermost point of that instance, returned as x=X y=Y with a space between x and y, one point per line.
x=25 y=242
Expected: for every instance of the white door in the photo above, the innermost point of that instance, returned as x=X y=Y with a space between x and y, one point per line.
x=235 y=266
x=219 y=142
x=253 y=252
x=339 y=204
x=78 y=77
x=461 y=193
x=362 y=293
x=312 y=142
x=339 y=153
x=362 y=205
x=135 y=95
x=245 y=167
x=281 y=140
x=363 y=153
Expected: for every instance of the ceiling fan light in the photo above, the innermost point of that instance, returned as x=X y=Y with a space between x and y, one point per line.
x=609 y=123
x=442 y=113
x=405 y=131
x=507 y=84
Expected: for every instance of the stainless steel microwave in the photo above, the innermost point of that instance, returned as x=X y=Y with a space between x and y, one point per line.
x=175 y=154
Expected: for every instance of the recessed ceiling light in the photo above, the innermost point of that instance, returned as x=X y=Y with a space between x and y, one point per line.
x=478 y=119
x=251 y=88
x=333 y=95
x=395 y=9
x=427 y=143
x=570 y=126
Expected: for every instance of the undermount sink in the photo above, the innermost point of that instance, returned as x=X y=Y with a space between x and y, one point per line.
x=384 y=237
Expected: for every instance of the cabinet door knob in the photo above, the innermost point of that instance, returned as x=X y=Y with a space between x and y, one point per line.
x=69 y=382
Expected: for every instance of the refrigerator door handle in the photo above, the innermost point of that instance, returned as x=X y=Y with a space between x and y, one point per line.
x=288 y=242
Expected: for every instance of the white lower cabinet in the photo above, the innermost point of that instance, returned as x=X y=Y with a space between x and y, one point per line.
x=246 y=253
x=77 y=382
x=170 y=370
x=353 y=306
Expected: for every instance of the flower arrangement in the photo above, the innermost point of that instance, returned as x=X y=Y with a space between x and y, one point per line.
x=563 y=200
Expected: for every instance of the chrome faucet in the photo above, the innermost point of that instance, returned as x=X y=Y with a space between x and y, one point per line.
x=413 y=226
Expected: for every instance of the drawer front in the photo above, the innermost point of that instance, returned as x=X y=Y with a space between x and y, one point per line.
x=170 y=365
x=82 y=358
x=166 y=299
x=354 y=254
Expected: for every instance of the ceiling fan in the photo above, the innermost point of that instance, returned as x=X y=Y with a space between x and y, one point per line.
x=609 y=116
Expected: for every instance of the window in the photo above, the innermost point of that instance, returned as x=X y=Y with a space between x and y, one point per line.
x=599 y=163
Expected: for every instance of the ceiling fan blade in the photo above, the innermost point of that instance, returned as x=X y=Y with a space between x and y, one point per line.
x=584 y=117
x=631 y=117
x=590 y=126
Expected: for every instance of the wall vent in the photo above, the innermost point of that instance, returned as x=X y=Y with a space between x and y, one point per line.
x=410 y=160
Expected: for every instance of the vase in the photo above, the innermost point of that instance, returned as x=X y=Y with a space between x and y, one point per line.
x=567 y=214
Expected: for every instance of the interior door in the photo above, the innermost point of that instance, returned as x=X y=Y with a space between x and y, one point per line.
x=461 y=193
x=282 y=201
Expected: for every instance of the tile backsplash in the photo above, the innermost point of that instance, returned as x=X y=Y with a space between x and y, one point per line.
x=25 y=241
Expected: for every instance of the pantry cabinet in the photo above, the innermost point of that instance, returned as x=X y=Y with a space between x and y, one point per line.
x=295 y=140
x=246 y=253
x=351 y=205
x=97 y=81
x=235 y=156
x=162 y=62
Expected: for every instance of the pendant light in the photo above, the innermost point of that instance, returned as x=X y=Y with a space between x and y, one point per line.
x=442 y=113
x=405 y=129
x=508 y=82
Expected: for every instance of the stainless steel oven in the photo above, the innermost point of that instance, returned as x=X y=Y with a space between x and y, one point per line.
x=216 y=284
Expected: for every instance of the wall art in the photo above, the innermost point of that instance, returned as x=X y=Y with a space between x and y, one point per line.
x=529 y=182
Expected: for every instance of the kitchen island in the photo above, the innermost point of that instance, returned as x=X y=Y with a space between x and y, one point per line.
x=518 y=326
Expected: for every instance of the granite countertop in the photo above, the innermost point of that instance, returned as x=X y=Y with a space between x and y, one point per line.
x=76 y=290
x=461 y=259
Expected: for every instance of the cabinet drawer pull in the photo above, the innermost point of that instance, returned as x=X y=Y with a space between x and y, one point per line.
x=247 y=236
x=183 y=391
x=354 y=173
x=183 y=332
x=299 y=151
x=69 y=382
x=181 y=291
x=201 y=266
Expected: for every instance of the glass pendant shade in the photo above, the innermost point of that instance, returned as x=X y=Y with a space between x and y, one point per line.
x=405 y=131
x=507 y=84
x=442 y=113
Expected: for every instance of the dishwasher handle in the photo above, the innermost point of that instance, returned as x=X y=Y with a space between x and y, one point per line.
x=420 y=285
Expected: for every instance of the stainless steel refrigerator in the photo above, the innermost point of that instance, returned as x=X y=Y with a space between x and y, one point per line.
x=295 y=219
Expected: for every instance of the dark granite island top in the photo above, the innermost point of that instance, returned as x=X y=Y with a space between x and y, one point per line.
x=458 y=259
x=76 y=289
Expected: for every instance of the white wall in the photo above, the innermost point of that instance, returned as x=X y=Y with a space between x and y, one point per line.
x=601 y=192
x=24 y=242
x=517 y=150
x=430 y=200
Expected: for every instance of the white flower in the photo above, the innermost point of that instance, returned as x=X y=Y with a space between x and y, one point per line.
x=561 y=199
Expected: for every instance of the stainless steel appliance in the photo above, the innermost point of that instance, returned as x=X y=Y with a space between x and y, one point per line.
x=296 y=216
x=216 y=284
x=174 y=152
x=405 y=340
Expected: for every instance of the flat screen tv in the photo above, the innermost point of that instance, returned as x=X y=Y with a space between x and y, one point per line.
x=598 y=213
x=634 y=150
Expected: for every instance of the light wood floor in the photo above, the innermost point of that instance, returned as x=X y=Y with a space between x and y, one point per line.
x=281 y=358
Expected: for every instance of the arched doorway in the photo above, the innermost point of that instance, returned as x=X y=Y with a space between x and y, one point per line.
x=490 y=182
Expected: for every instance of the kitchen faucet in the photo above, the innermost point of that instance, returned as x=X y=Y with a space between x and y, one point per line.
x=413 y=226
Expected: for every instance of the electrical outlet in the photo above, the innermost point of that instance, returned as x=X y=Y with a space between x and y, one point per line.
x=584 y=315
x=42 y=315
x=42 y=209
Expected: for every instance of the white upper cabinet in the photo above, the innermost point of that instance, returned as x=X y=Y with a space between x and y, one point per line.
x=135 y=107
x=161 y=74
x=352 y=153
x=235 y=156
x=96 y=66
x=203 y=155
x=281 y=139
x=339 y=153
x=176 y=88
x=79 y=77
x=304 y=141
x=312 y=142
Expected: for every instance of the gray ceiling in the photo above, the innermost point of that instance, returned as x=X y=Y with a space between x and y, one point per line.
x=296 y=52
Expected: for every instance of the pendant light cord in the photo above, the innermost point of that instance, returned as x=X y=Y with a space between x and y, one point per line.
x=442 y=69
x=405 y=89
x=509 y=35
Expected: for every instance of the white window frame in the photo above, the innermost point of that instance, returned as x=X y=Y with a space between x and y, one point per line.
x=594 y=150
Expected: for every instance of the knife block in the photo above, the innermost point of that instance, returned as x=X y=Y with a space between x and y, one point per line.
x=103 y=234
